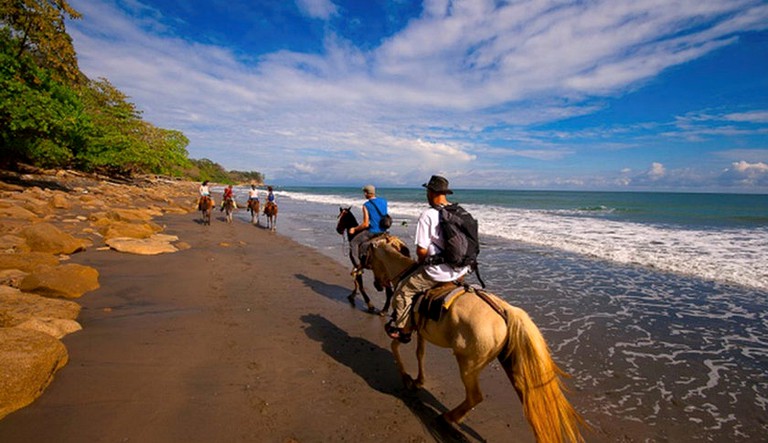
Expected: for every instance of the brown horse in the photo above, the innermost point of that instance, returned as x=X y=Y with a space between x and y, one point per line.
x=479 y=327
x=344 y=221
x=206 y=206
x=229 y=208
x=253 y=208
x=270 y=210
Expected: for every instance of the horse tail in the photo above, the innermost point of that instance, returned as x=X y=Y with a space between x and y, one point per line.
x=528 y=363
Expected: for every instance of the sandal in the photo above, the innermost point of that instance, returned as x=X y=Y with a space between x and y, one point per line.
x=396 y=333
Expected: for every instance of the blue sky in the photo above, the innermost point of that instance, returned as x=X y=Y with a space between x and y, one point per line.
x=606 y=95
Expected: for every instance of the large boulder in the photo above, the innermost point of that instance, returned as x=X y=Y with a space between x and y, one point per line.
x=27 y=261
x=45 y=237
x=157 y=244
x=28 y=361
x=16 y=212
x=16 y=307
x=66 y=281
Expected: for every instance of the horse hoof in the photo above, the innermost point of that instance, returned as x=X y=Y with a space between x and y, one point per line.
x=351 y=299
x=371 y=309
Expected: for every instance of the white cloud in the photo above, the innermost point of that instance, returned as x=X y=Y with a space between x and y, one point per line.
x=322 y=9
x=743 y=173
x=428 y=98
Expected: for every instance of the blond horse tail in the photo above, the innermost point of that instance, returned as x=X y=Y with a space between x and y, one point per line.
x=529 y=366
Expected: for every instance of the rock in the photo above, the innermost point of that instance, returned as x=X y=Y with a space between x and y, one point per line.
x=115 y=229
x=45 y=237
x=17 y=212
x=10 y=243
x=12 y=277
x=60 y=200
x=17 y=307
x=27 y=261
x=28 y=361
x=157 y=244
x=66 y=281
x=55 y=327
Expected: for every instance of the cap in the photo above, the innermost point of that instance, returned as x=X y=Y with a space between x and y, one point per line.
x=369 y=189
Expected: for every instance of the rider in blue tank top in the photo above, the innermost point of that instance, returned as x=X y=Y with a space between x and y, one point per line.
x=374 y=209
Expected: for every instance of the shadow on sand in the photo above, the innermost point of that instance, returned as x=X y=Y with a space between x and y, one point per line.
x=332 y=292
x=374 y=364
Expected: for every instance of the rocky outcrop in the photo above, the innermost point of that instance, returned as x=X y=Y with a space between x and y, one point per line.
x=28 y=361
x=66 y=281
x=45 y=237
x=44 y=219
x=156 y=244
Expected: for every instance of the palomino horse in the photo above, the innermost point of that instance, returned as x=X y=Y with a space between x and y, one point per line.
x=206 y=206
x=229 y=208
x=253 y=208
x=270 y=210
x=478 y=327
x=345 y=221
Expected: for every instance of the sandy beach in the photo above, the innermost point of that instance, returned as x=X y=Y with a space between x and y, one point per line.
x=245 y=336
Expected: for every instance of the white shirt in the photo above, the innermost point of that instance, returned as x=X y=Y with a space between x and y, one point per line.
x=253 y=193
x=428 y=237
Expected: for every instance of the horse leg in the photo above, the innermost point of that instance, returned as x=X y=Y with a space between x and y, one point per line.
x=359 y=286
x=389 y=292
x=470 y=372
x=421 y=349
x=407 y=380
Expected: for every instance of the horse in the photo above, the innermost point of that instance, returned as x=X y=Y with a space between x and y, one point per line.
x=253 y=208
x=270 y=210
x=478 y=327
x=344 y=221
x=229 y=208
x=206 y=206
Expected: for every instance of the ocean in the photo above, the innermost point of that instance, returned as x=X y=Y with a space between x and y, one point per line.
x=655 y=303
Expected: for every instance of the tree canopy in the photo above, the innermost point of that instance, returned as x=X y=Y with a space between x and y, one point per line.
x=52 y=115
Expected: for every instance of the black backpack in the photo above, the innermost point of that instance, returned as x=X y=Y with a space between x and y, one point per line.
x=461 y=244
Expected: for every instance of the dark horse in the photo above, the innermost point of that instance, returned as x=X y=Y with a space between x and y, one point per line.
x=345 y=221
x=206 y=206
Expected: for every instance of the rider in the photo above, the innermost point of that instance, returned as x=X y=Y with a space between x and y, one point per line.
x=253 y=194
x=203 y=191
x=228 y=194
x=426 y=276
x=373 y=210
x=270 y=195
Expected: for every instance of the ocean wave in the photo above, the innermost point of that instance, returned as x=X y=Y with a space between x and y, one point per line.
x=735 y=255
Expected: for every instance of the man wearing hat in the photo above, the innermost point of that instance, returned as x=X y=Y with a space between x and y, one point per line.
x=428 y=242
x=374 y=210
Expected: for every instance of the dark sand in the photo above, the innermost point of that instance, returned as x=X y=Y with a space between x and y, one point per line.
x=247 y=336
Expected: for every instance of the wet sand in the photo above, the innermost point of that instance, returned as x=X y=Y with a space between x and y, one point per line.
x=246 y=336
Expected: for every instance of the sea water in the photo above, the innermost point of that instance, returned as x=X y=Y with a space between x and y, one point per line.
x=655 y=303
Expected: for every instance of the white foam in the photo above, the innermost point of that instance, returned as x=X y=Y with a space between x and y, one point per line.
x=727 y=255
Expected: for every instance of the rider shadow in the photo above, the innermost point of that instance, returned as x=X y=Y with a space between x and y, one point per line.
x=374 y=365
x=333 y=292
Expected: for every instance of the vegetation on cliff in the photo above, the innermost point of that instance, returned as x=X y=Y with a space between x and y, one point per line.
x=53 y=116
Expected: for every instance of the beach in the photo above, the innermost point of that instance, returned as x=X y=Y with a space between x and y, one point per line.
x=246 y=335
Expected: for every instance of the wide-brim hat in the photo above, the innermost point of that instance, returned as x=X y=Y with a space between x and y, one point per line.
x=438 y=184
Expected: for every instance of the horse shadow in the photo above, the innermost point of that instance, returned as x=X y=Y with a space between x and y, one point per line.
x=332 y=292
x=375 y=366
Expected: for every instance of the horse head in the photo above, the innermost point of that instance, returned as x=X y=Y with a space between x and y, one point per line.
x=389 y=259
x=345 y=220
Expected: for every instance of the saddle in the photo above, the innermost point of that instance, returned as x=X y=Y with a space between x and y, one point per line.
x=431 y=304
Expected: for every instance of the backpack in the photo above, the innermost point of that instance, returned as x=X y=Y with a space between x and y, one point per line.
x=386 y=221
x=461 y=244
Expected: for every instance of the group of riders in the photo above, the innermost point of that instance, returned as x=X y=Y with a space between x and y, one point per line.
x=229 y=195
x=429 y=242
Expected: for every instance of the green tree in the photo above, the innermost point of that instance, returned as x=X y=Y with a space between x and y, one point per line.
x=42 y=121
x=38 y=28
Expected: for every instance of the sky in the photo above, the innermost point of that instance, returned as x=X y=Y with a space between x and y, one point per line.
x=660 y=95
